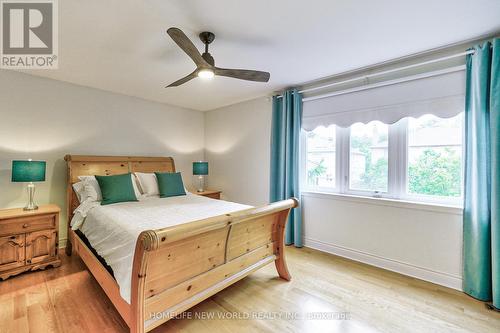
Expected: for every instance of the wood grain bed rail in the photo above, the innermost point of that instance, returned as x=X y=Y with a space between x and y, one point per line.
x=178 y=267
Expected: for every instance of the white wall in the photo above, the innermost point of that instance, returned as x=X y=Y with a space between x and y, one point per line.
x=237 y=147
x=47 y=119
x=413 y=239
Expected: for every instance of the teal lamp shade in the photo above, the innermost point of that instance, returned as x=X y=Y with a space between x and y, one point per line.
x=200 y=168
x=28 y=171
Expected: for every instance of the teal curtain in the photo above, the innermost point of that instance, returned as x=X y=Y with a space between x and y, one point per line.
x=285 y=140
x=481 y=224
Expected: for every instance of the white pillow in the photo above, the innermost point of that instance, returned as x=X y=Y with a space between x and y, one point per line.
x=148 y=183
x=137 y=191
x=79 y=189
x=92 y=189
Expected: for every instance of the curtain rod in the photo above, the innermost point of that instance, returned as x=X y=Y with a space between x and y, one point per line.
x=388 y=83
x=461 y=54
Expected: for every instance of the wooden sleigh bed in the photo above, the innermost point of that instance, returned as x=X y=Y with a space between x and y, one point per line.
x=178 y=267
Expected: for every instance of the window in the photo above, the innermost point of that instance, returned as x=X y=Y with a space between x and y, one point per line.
x=368 y=157
x=435 y=156
x=321 y=157
x=414 y=159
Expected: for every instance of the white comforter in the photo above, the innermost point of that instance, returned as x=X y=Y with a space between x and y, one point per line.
x=112 y=230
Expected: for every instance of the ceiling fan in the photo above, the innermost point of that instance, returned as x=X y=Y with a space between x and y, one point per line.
x=205 y=64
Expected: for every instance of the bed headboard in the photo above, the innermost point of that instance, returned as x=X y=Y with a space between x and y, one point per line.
x=82 y=165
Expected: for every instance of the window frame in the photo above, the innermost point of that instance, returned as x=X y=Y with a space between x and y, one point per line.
x=357 y=192
x=303 y=165
x=397 y=178
x=405 y=195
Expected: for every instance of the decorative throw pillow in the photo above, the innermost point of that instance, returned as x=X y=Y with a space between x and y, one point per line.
x=116 y=189
x=170 y=184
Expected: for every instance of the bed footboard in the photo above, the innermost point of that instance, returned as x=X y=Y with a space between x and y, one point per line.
x=178 y=267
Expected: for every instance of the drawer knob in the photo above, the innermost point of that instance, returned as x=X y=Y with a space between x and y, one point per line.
x=26 y=225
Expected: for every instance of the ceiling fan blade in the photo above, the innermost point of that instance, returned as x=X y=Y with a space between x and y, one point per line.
x=243 y=74
x=187 y=46
x=183 y=80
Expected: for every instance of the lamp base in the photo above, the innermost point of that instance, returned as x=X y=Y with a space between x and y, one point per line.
x=31 y=196
x=201 y=184
x=28 y=207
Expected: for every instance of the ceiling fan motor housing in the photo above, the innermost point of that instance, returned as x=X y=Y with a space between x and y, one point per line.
x=208 y=58
x=207 y=37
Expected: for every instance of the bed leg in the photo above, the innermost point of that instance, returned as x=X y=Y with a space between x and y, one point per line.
x=280 y=261
x=69 y=247
x=282 y=268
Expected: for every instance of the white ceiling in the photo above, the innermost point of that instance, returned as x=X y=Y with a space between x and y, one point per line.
x=122 y=46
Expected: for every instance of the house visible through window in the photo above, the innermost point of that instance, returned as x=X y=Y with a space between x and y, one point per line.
x=413 y=159
x=368 y=157
x=321 y=157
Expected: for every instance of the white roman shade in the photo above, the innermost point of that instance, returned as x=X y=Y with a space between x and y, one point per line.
x=441 y=95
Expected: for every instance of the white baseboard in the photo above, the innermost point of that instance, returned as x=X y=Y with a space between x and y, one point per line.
x=444 y=279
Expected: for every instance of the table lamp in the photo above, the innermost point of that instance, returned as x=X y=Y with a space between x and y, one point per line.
x=200 y=169
x=28 y=172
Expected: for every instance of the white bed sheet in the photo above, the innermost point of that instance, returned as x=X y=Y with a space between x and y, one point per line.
x=112 y=230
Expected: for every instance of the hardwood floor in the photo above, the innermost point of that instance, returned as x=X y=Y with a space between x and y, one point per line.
x=344 y=295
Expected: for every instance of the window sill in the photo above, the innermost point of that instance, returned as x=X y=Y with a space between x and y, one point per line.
x=433 y=207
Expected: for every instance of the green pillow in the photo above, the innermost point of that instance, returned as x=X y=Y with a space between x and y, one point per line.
x=116 y=189
x=170 y=184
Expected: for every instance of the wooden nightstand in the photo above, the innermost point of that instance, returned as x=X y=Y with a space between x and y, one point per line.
x=210 y=194
x=28 y=240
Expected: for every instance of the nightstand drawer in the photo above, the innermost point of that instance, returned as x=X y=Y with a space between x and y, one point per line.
x=27 y=224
